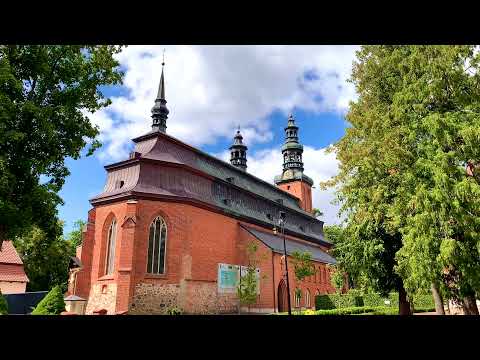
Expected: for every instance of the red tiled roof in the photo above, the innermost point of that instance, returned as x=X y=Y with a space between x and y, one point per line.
x=8 y=254
x=13 y=272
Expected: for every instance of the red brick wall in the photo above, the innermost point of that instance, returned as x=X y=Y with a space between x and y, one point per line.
x=301 y=190
x=197 y=240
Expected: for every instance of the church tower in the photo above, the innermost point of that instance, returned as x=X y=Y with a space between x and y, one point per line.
x=293 y=180
x=238 y=152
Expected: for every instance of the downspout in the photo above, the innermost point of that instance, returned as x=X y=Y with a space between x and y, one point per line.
x=273 y=283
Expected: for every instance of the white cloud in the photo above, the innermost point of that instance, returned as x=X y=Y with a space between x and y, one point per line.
x=212 y=89
x=318 y=164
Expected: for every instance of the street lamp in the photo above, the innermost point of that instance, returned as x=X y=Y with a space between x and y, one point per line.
x=281 y=223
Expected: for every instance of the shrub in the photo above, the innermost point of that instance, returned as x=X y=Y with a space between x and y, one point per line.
x=424 y=301
x=174 y=311
x=3 y=305
x=51 y=304
x=346 y=311
x=337 y=301
x=375 y=299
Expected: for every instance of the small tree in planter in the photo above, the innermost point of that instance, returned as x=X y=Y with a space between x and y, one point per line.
x=51 y=304
x=3 y=305
x=303 y=267
x=248 y=284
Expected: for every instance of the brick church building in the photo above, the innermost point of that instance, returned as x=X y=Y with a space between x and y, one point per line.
x=170 y=214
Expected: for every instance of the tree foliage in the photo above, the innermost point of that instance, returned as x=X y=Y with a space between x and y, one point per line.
x=411 y=208
x=75 y=236
x=3 y=305
x=248 y=284
x=46 y=259
x=303 y=265
x=51 y=304
x=46 y=93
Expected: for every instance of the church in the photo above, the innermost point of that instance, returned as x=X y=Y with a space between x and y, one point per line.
x=170 y=216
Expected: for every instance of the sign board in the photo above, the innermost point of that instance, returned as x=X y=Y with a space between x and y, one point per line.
x=229 y=277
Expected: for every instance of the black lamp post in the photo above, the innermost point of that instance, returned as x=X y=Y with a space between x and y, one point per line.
x=281 y=222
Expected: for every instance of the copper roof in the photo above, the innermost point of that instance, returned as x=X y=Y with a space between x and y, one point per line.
x=164 y=167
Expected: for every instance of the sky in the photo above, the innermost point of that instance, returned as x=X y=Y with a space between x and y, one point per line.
x=210 y=91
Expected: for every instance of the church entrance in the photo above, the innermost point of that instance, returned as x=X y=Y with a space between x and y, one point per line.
x=282 y=297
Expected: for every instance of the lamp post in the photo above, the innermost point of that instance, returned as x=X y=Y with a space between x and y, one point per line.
x=281 y=222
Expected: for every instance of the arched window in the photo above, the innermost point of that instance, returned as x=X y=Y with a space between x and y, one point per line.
x=307 y=299
x=297 y=298
x=156 y=246
x=111 y=241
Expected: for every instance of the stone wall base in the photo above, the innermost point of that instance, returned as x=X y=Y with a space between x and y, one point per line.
x=102 y=296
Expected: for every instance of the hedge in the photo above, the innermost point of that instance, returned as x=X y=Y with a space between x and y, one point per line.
x=337 y=301
x=3 y=305
x=51 y=304
x=354 y=299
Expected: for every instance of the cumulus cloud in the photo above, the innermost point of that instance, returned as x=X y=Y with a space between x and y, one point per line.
x=319 y=165
x=212 y=89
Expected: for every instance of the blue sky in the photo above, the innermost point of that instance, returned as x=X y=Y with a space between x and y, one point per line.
x=211 y=90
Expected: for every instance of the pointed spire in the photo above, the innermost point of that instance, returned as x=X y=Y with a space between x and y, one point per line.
x=159 y=110
x=238 y=151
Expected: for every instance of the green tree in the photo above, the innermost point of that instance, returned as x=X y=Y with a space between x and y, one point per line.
x=372 y=155
x=51 y=304
x=247 y=289
x=46 y=93
x=303 y=266
x=75 y=236
x=338 y=278
x=45 y=259
x=317 y=212
x=439 y=209
x=3 y=305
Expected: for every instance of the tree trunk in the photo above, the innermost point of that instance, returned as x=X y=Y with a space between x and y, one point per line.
x=437 y=298
x=470 y=305
x=403 y=303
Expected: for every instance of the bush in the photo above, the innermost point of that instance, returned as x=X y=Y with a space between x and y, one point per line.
x=375 y=299
x=337 y=301
x=51 y=304
x=174 y=311
x=424 y=301
x=3 y=305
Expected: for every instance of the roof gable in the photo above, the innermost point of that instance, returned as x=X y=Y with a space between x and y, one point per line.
x=8 y=254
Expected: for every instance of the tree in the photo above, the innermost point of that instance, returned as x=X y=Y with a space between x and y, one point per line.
x=247 y=289
x=3 y=305
x=439 y=209
x=45 y=259
x=334 y=233
x=46 y=93
x=303 y=267
x=75 y=236
x=371 y=156
x=316 y=212
x=410 y=204
x=51 y=304
x=337 y=278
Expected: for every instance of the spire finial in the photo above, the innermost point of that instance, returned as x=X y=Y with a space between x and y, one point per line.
x=159 y=110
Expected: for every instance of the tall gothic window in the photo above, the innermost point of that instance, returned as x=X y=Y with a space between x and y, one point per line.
x=111 y=241
x=307 y=299
x=156 y=246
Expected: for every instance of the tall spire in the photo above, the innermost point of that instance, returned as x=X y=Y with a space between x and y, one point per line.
x=238 y=152
x=159 y=110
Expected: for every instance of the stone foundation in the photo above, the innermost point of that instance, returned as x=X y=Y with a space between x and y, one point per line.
x=192 y=297
x=201 y=297
x=153 y=299
x=102 y=296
